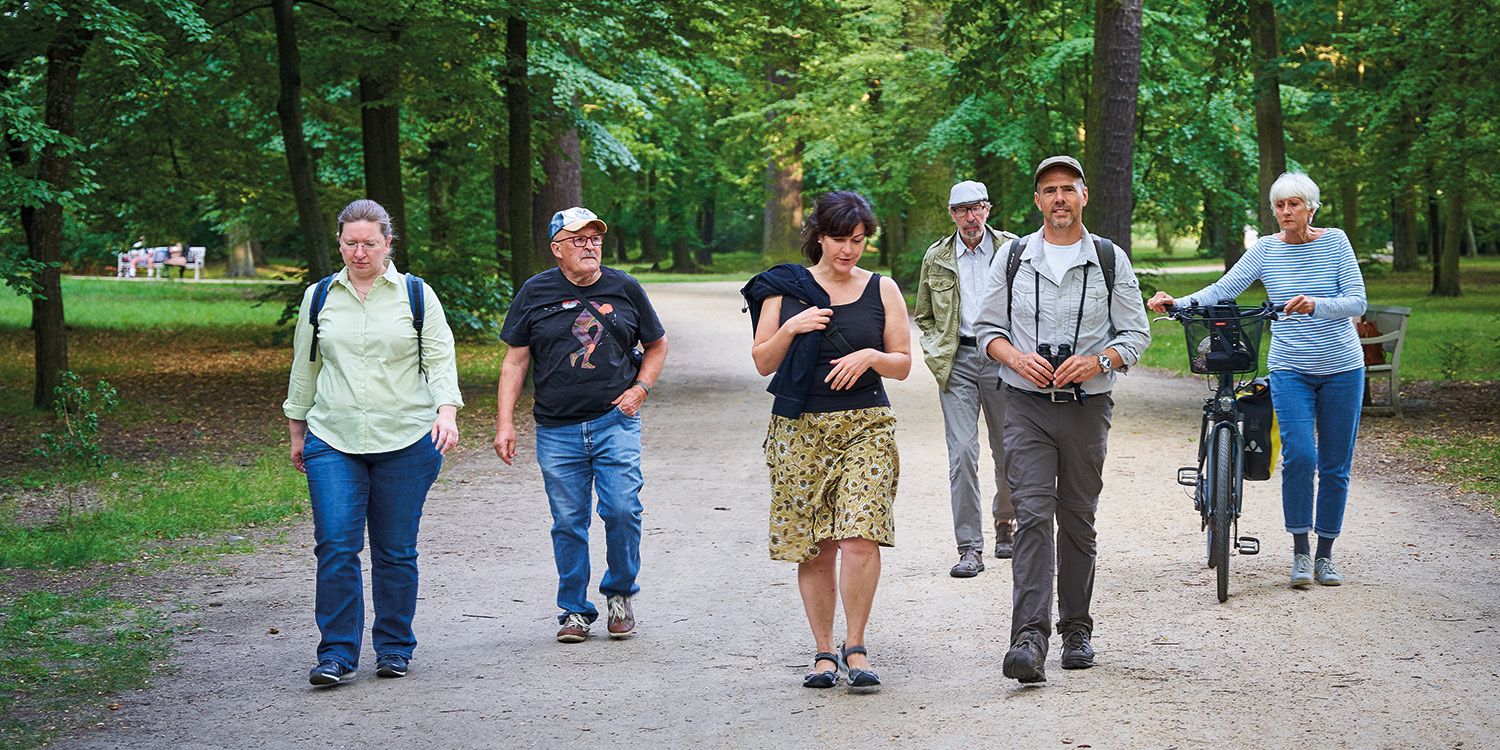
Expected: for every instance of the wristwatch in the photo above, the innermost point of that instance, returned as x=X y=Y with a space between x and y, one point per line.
x=1105 y=364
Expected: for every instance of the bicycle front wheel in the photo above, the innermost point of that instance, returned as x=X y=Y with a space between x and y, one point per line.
x=1222 y=503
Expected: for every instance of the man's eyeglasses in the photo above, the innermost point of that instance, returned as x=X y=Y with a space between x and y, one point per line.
x=596 y=240
x=976 y=209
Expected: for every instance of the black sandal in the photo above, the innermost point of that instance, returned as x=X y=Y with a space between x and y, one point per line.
x=859 y=678
x=828 y=677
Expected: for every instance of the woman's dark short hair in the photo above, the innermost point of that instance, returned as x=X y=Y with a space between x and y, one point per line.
x=838 y=214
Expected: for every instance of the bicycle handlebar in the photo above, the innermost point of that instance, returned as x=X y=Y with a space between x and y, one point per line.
x=1198 y=311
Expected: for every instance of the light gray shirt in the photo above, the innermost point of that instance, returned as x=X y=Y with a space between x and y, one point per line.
x=973 y=279
x=1047 y=312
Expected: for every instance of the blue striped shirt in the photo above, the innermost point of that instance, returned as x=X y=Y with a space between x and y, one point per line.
x=1324 y=342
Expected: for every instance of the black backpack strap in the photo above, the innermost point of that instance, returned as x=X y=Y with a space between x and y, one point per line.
x=1105 y=251
x=1012 y=265
x=320 y=296
x=416 y=295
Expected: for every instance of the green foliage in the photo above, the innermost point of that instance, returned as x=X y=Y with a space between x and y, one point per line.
x=1453 y=357
x=77 y=408
x=60 y=651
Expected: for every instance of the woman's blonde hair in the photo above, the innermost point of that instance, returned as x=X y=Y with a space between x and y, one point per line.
x=365 y=209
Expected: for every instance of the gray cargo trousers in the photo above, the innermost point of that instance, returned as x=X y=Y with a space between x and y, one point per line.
x=1055 y=466
x=974 y=388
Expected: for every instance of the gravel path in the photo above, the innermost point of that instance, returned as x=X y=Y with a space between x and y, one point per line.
x=1403 y=656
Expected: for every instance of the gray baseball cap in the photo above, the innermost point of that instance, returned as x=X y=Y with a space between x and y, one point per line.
x=1053 y=161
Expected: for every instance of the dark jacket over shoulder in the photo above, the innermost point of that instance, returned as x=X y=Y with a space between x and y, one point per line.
x=794 y=378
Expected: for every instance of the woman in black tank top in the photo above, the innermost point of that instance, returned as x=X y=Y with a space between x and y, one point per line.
x=834 y=465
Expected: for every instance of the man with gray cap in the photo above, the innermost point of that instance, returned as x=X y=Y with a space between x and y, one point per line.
x=1064 y=314
x=579 y=324
x=950 y=290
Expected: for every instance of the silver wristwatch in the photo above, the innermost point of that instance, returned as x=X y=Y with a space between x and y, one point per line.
x=1105 y=365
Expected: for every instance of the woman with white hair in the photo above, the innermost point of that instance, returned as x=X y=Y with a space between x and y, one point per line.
x=1316 y=364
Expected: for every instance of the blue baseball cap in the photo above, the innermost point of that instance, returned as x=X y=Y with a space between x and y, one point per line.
x=574 y=219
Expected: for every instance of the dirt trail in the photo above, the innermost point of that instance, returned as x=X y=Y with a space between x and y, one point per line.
x=1403 y=656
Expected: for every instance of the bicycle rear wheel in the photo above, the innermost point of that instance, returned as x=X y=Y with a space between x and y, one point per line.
x=1222 y=503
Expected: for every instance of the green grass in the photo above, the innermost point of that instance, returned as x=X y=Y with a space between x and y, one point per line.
x=62 y=655
x=138 y=506
x=116 y=305
x=1472 y=460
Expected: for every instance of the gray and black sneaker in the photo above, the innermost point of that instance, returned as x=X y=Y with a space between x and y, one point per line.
x=329 y=672
x=392 y=665
x=1026 y=660
x=1077 y=653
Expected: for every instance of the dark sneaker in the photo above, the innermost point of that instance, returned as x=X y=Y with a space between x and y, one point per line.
x=1005 y=540
x=391 y=665
x=575 y=629
x=970 y=563
x=1077 y=652
x=621 y=618
x=1026 y=660
x=329 y=672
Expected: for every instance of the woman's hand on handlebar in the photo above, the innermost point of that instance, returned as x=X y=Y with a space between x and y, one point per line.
x=1299 y=304
x=1161 y=302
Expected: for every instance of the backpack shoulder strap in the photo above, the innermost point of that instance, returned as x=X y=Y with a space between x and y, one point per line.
x=320 y=296
x=1012 y=265
x=416 y=295
x=1105 y=251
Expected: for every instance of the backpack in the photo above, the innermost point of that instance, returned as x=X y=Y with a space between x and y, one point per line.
x=415 y=294
x=1104 y=250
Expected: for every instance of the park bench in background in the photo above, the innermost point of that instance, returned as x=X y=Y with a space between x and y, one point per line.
x=195 y=260
x=1390 y=336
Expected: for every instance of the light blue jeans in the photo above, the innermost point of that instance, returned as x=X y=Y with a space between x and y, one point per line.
x=384 y=492
x=601 y=455
x=1319 y=418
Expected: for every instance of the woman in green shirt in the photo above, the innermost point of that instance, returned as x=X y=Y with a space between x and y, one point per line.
x=371 y=409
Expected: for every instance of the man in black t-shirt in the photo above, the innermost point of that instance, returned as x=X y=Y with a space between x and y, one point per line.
x=575 y=327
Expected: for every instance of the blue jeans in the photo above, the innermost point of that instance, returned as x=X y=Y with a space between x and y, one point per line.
x=350 y=491
x=601 y=455
x=1319 y=418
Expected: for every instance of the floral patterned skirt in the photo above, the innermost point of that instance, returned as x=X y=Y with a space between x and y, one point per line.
x=833 y=476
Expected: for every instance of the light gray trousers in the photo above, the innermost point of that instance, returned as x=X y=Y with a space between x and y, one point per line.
x=974 y=387
x=1055 y=467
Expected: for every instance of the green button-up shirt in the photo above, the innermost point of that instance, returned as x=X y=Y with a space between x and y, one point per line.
x=364 y=393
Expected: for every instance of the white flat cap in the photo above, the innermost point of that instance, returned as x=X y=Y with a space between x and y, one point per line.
x=967 y=191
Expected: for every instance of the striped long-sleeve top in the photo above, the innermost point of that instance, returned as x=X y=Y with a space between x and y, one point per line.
x=1325 y=269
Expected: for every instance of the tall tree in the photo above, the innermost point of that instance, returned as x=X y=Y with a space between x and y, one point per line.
x=1110 y=149
x=64 y=59
x=315 y=237
x=380 y=130
x=1270 y=132
x=518 y=109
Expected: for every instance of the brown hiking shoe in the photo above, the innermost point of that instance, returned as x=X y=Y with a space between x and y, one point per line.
x=575 y=629
x=1005 y=539
x=621 y=618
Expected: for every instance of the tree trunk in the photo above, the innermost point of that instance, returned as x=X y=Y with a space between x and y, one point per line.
x=1270 y=135
x=1110 y=125
x=289 y=107
x=442 y=186
x=519 y=189
x=241 y=251
x=1471 y=248
x=892 y=237
x=1445 y=270
x=781 y=236
x=64 y=59
x=563 y=187
x=622 y=238
x=380 y=127
x=650 y=253
x=1404 y=245
x=1434 y=232
x=1164 y=237
x=501 y=179
x=682 y=249
x=706 y=228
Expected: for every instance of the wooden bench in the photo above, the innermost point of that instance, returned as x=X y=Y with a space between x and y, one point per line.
x=1391 y=322
x=195 y=256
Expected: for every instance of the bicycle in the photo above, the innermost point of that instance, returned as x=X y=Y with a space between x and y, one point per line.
x=1224 y=341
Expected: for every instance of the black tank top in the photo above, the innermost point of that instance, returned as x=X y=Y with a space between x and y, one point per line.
x=863 y=324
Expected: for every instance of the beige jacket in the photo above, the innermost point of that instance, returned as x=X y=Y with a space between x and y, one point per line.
x=938 y=303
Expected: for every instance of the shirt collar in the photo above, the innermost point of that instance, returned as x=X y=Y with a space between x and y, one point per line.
x=985 y=247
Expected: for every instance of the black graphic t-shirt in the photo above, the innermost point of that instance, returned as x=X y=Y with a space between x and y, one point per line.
x=578 y=365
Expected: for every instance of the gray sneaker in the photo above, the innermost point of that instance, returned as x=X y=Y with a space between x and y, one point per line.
x=1302 y=571
x=1326 y=573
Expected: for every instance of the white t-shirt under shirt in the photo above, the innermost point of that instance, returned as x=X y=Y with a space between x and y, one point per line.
x=1057 y=259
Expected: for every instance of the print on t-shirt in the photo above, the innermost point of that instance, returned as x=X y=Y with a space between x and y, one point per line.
x=588 y=331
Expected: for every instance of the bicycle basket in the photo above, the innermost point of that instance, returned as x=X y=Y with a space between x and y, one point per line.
x=1224 y=344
